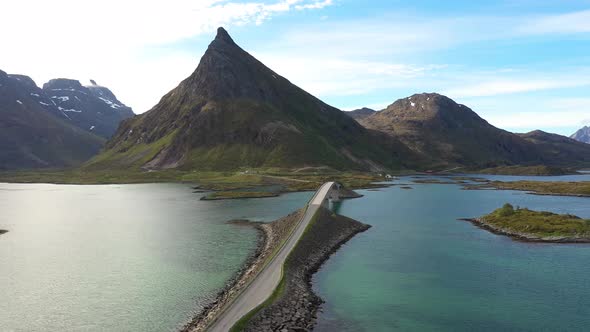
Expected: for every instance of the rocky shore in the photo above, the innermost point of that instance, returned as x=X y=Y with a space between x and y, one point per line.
x=218 y=196
x=346 y=193
x=271 y=237
x=296 y=306
x=524 y=237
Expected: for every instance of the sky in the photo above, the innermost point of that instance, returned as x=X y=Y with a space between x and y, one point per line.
x=521 y=64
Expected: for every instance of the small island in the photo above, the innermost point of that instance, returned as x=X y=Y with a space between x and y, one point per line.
x=220 y=195
x=538 y=170
x=2 y=231
x=535 y=226
x=551 y=188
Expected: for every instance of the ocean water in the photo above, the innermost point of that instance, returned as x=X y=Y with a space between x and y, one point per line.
x=420 y=269
x=147 y=257
x=119 y=257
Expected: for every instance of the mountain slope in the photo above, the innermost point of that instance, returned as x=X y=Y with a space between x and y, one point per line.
x=437 y=127
x=232 y=112
x=93 y=108
x=361 y=113
x=582 y=135
x=559 y=150
x=452 y=134
x=30 y=136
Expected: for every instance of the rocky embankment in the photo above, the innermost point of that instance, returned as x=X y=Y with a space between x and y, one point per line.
x=346 y=193
x=296 y=306
x=524 y=237
x=271 y=238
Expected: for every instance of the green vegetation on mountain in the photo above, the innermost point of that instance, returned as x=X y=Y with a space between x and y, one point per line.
x=284 y=180
x=557 y=150
x=526 y=170
x=235 y=112
x=581 y=188
x=449 y=134
x=533 y=225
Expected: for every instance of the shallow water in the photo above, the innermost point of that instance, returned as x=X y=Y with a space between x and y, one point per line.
x=119 y=257
x=420 y=269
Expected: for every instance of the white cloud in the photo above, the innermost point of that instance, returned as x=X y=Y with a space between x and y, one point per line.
x=569 y=23
x=507 y=86
x=334 y=76
x=122 y=44
x=115 y=42
x=529 y=112
x=315 y=5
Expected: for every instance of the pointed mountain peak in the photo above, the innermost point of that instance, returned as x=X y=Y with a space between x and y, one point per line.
x=223 y=35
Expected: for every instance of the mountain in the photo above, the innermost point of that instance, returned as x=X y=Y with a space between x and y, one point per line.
x=32 y=137
x=233 y=112
x=452 y=134
x=559 y=150
x=93 y=108
x=361 y=113
x=439 y=128
x=582 y=135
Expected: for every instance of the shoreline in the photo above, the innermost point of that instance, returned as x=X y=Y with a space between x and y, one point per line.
x=526 y=191
x=261 y=195
x=295 y=306
x=270 y=237
x=523 y=237
x=223 y=294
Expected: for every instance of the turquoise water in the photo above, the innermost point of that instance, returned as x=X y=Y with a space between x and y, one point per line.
x=147 y=257
x=420 y=269
x=119 y=257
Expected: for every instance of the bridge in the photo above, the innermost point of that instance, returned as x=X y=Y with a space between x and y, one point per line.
x=264 y=284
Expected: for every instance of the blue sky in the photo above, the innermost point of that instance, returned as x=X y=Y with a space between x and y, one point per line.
x=522 y=65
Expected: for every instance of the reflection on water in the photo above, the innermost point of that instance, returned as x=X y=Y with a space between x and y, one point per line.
x=119 y=257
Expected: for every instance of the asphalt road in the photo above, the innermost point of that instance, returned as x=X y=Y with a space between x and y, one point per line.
x=268 y=279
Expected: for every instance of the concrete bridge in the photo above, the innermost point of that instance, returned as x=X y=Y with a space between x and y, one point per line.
x=329 y=191
x=264 y=284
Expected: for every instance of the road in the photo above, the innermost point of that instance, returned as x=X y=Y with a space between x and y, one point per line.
x=268 y=279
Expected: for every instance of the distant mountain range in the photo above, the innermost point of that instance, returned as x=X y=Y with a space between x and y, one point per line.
x=361 y=113
x=582 y=135
x=233 y=111
x=448 y=133
x=61 y=125
x=93 y=108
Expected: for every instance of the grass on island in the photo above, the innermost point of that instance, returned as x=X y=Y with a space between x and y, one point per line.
x=538 y=170
x=538 y=224
x=288 y=180
x=581 y=188
x=218 y=195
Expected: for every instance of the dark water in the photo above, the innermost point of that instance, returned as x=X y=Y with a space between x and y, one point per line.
x=119 y=257
x=419 y=269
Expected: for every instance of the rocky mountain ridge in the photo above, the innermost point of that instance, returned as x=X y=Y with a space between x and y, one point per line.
x=582 y=135
x=451 y=134
x=232 y=112
x=31 y=135
x=361 y=113
x=93 y=108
